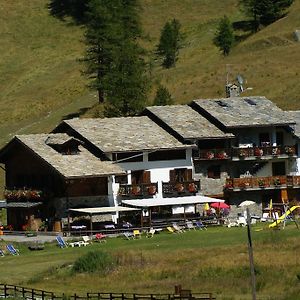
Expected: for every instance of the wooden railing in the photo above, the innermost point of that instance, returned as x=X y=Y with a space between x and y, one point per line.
x=242 y=153
x=14 y=292
x=262 y=182
x=175 y=189
x=144 y=190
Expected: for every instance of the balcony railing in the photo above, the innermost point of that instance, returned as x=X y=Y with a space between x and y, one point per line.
x=177 y=189
x=143 y=190
x=245 y=153
x=270 y=182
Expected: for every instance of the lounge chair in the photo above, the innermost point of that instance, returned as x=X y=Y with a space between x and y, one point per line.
x=12 y=250
x=128 y=235
x=2 y=253
x=171 y=229
x=101 y=238
x=61 y=242
x=150 y=233
x=177 y=228
x=86 y=241
x=137 y=234
x=190 y=225
x=200 y=225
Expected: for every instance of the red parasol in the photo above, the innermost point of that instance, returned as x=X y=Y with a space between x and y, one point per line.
x=219 y=205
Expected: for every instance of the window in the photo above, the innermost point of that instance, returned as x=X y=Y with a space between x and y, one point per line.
x=278 y=168
x=167 y=155
x=264 y=139
x=279 y=138
x=180 y=175
x=214 y=172
x=121 y=179
x=128 y=157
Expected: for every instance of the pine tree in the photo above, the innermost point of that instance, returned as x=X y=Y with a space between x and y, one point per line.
x=169 y=43
x=100 y=38
x=265 y=12
x=224 y=37
x=126 y=83
x=162 y=97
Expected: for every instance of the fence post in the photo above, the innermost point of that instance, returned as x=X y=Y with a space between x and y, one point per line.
x=110 y=296
x=32 y=294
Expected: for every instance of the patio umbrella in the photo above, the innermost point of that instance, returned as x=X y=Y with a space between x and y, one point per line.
x=246 y=203
x=206 y=206
x=219 y=205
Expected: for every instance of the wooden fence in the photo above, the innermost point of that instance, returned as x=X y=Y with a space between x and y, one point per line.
x=13 y=291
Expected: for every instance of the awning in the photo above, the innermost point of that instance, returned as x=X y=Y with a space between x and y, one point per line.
x=22 y=204
x=103 y=210
x=188 y=200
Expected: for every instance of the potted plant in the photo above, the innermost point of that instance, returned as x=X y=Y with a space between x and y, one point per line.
x=261 y=183
x=276 y=181
x=242 y=153
x=136 y=190
x=152 y=190
x=179 y=187
x=258 y=152
x=210 y=155
x=289 y=150
x=192 y=187
x=222 y=155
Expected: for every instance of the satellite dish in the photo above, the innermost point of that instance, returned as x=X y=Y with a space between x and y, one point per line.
x=240 y=79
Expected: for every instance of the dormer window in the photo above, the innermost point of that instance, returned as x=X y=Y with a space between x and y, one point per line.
x=64 y=144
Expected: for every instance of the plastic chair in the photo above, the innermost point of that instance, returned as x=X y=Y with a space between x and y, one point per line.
x=100 y=237
x=12 y=250
x=61 y=242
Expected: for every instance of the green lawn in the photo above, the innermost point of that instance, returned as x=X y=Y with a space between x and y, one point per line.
x=215 y=261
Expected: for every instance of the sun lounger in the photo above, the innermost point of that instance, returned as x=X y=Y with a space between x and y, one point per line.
x=137 y=234
x=190 y=225
x=171 y=229
x=61 y=242
x=100 y=237
x=128 y=235
x=200 y=225
x=86 y=240
x=150 y=233
x=177 y=228
x=12 y=250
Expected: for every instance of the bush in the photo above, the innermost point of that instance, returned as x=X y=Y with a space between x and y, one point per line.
x=94 y=261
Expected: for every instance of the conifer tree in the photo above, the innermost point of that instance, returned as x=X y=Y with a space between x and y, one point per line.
x=162 y=97
x=224 y=37
x=100 y=39
x=169 y=43
x=126 y=83
x=265 y=12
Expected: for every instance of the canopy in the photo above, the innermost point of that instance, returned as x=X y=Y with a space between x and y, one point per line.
x=219 y=205
x=187 y=200
x=102 y=210
x=246 y=203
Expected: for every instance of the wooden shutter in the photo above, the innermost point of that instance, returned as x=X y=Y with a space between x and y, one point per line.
x=146 y=177
x=188 y=174
x=172 y=175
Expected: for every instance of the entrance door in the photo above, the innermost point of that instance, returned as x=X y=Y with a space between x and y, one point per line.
x=278 y=168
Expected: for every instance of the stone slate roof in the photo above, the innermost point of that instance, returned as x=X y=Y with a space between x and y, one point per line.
x=60 y=139
x=83 y=164
x=188 y=123
x=251 y=111
x=295 y=115
x=125 y=134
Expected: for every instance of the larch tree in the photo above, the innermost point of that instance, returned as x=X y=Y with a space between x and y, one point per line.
x=162 y=97
x=224 y=37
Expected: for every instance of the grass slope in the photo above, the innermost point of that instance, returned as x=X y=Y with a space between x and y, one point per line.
x=40 y=79
x=215 y=260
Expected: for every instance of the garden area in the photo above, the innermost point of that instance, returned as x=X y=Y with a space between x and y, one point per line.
x=214 y=260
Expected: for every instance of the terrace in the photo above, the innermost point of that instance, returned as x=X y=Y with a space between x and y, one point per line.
x=250 y=153
x=256 y=183
x=169 y=189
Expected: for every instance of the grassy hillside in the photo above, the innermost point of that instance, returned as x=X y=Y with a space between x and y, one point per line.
x=40 y=79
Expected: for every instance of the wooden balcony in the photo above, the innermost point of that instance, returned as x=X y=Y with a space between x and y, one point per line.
x=251 y=153
x=257 y=183
x=143 y=190
x=178 y=189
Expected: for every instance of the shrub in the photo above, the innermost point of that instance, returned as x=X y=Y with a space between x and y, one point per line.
x=94 y=261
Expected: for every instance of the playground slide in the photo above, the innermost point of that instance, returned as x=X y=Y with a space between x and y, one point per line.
x=281 y=218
